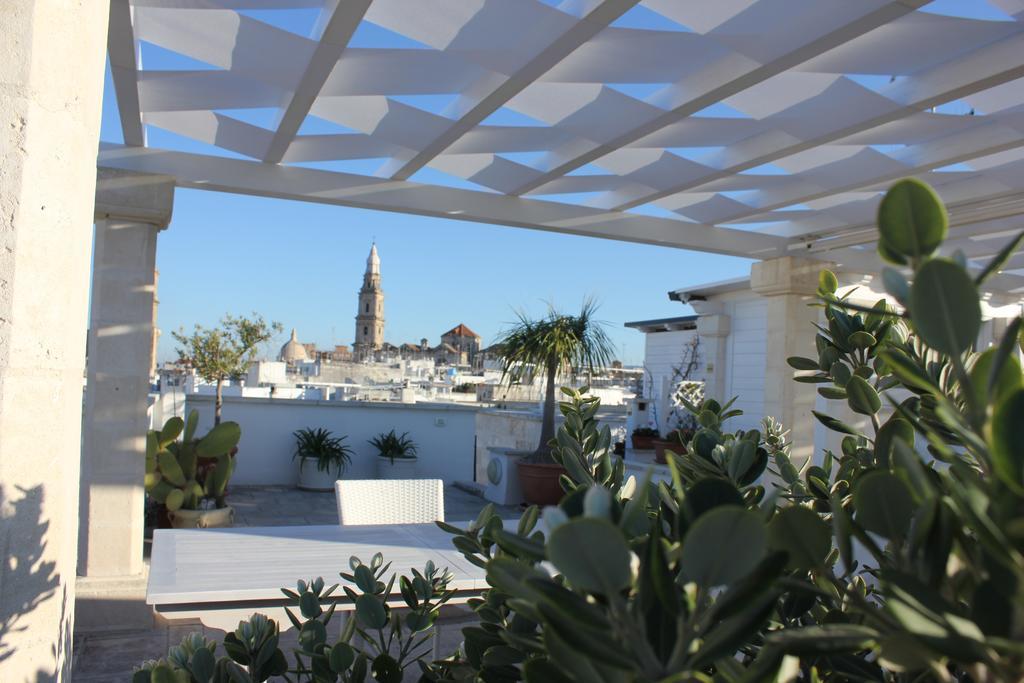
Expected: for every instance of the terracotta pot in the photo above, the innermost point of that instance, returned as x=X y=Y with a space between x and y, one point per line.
x=660 y=446
x=163 y=517
x=642 y=443
x=539 y=482
x=202 y=519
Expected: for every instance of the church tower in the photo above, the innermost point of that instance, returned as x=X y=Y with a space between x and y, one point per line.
x=370 y=315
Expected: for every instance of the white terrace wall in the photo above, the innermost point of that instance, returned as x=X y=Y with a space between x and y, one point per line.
x=443 y=432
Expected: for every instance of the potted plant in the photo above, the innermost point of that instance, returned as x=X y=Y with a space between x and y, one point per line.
x=643 y=438
x=322 y=457
x=192 y=495
x=674 y=441
x=555 y=345
x=219 y=354
x=396 y=455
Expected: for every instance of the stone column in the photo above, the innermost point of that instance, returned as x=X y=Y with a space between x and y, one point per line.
x=788 y=285
x=131 y=208
x=51 y=84
x=713 y=331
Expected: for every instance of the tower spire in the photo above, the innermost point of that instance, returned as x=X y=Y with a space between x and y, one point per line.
x=369 y=335
x=373 y=261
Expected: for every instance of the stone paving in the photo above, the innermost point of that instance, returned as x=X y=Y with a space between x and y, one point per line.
x=113 y=655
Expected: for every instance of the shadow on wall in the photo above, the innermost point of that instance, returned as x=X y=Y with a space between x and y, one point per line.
x=27 y=580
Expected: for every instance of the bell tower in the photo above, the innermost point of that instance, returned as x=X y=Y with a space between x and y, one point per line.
x=369 y=335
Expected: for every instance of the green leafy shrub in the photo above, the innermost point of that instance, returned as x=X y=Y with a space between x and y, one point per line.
x=388 y=642
x=900 y=558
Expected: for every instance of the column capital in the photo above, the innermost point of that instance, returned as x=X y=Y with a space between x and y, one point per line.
x=785 y=275
x=132 y=196
x=713 y=325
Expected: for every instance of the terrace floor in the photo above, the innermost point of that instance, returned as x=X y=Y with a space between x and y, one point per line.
x=112 y=656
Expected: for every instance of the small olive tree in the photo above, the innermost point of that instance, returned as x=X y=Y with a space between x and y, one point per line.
x=224 y=352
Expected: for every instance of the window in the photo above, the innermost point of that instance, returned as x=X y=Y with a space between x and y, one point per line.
x=366 y=331
x=367 y=309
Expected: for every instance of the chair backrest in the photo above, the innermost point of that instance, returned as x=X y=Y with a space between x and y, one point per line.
x=389 y=501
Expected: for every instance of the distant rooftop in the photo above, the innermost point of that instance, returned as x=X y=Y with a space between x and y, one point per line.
x=460 y=330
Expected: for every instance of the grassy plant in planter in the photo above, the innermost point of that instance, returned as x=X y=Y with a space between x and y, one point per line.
x=190 y=476
x=323 y=458
x=396 y=455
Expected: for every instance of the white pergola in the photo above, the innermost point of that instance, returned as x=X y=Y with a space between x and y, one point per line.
x=756 y=128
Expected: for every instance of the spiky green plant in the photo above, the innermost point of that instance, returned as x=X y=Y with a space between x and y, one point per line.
x=330 y=452
x=390 y=445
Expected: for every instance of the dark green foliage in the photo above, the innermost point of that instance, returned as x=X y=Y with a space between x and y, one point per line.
x=331 y=452
x=900 y=558
x=388 y=643
x=391 y=445
x=182 y=473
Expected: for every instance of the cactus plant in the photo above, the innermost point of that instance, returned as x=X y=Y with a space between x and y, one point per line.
x=177 y=473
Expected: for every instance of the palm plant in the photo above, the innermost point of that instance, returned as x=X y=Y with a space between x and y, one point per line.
x=557 y=344
x=392 y=446
x=330 y=452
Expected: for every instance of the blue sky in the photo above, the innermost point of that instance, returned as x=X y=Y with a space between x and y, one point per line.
x=301 y=264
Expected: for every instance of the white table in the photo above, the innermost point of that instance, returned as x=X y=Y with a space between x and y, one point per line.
x=221 y=576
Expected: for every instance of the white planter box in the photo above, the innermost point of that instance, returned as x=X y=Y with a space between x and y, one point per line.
x=403 y=468
x=312 y=479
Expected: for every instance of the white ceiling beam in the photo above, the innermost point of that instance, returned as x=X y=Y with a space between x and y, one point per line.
x=124 y=69
x=967 y=219
x=990 y=66
x=712 y=90
x=960 y=147
x=582 y=31
x=221 y=174
x=335 y=36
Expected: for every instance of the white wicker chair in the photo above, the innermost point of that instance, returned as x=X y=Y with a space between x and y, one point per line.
x=389 y=501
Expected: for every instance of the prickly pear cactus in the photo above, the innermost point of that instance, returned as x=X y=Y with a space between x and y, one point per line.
x=174 y=475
